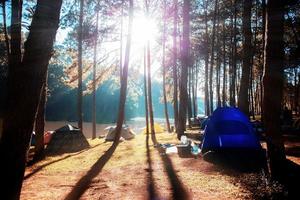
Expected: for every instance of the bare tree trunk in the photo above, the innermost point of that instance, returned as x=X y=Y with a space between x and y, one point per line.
x=218 y=63
x=273 y=86
x=121 y=41
x=189 y=103
x=212 y=57
x=94 y=77
x=243 y=102
x=79 y=103
x=206 y=94
x=39 y=153
x=151 y=115
x=263 y=5
x=145 y=92
x=184 y=70
x=24 y=89
x=194 y=89
x=234 y=65
x=175 y=95
x=15 y=35
x=164 y=70
x=224 y=89
x=5 y=30
x=123 y=89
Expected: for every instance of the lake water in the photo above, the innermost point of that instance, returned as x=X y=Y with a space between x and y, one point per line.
x=136 y=124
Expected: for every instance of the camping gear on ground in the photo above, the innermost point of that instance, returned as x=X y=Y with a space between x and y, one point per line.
x=67 y=139
x=47 y=137
x=184 y=148
x=126 y=133
x=157 y=128
x=195 y=150
x=229 y=128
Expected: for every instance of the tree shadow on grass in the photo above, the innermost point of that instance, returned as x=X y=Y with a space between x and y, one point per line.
x=85 y=181
x=179 y=191
x=150 y=180
x=39 y=168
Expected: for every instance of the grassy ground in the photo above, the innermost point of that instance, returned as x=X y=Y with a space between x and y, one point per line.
x=137 y=172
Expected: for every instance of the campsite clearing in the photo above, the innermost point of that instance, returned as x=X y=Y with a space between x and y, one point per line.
x=127 y=174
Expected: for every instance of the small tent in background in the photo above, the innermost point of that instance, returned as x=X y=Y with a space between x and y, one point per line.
x=126 y=133
x=67 y=139
x=229 y=128
x=157 y=128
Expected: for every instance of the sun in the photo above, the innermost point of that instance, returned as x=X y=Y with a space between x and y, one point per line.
x=144 y=29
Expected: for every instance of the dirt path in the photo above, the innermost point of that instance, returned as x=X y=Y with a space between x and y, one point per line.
x=135 y=173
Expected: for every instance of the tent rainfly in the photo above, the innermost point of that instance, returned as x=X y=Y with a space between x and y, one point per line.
x=229 y=128
x=126 y=133
x=67 y=139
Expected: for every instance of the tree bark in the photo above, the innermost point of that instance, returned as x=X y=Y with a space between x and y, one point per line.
x=121 y=41
x=232 y=100
x=175 y=95
x=79 y=95
x=164 y=70
x=224 y=89
x=123 y=89
x=15 y=35
x=273 y=86
x=24 y=91
x=5 y=30
x=243 y=102
x=212 y=57
x=94 y=77
x=39 y=152
x=146 y=93
x=151 y=115
x=263 y=5
x=206 y=94
x=184 y=70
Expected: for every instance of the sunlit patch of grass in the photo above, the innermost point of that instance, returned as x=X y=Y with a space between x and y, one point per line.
x=202 y=179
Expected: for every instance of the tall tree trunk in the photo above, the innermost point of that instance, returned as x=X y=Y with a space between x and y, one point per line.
x=243 y=102
x=175 y=95
x=40 y=125
x=232 y=101
x=123 y=89
x=263 y=5
x=194 y=89
x=189 y=103
x=15 y=35
x=184 y=70
x=24 y=89
x=121 y=41
x=273 y=86
x=79 y=103
x=212 y=58
x=224 y=89
x=164 y=70
x=206 y=94
x=5 y=29
x=151 y=115
x=94 y=77
x=218 y=63
x=145 y=92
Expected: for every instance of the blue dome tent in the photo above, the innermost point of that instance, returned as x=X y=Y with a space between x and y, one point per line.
x=229 y=128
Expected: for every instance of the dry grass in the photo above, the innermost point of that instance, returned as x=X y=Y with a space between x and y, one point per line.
x=125 y=175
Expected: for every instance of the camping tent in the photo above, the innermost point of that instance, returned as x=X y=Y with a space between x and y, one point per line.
x=67 y=139
x=229 y=128
x=126 y=133
x=157 y=128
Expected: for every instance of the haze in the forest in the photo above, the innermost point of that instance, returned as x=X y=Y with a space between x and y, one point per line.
x=180 y=97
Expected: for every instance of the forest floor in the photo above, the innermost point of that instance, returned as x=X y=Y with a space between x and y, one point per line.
x=138 y=171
